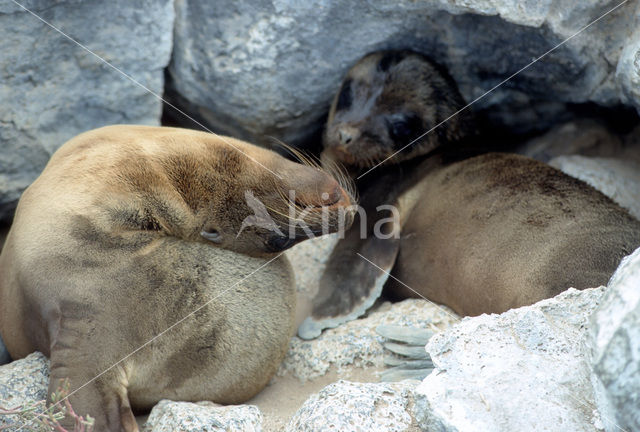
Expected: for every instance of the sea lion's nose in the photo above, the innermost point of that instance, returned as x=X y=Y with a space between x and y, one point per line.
x=346 y=134
x=332 y=197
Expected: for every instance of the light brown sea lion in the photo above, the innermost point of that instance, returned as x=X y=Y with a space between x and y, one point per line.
x=130 y=229
x=479 y=234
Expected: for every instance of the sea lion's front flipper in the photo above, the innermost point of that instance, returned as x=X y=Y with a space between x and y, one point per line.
x=353 y=278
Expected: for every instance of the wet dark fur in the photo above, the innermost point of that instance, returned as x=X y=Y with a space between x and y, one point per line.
x=386 y=101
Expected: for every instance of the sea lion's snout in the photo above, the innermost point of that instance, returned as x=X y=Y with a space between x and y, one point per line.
x=326 y=191
x=318 y=205
x=316 y=192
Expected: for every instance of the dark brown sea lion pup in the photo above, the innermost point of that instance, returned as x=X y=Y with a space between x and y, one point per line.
x=128 y=230
x=481 y=234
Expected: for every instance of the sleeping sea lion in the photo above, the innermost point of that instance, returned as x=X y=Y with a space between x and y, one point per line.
x=130 y=263
x=479 y=234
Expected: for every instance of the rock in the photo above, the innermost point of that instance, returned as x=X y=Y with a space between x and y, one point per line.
x=270 y=68
x=52 y=89
x=169 y=416
x=616 y=178
x=628 y=69
x=615 y=342
x=308 y=260
x=23 y=383
x=356 y=343
x=349 y=406
x=525 y=369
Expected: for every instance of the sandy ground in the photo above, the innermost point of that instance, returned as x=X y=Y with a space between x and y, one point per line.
x=280 y=400
x=285 y=395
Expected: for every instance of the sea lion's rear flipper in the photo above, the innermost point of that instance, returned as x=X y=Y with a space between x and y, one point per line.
x=93 y=387
x=406 y=358
x=108 y=406
x=353 y=278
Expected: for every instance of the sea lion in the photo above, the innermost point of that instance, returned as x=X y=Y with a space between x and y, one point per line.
x=131 y=231
x=480 y=234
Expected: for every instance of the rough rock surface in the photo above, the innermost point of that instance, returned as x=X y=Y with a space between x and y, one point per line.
x=52 y=89
x=615 y=341
x=356 y=344
x=617 y=178
x=628 y=68
x=348 y=406
x=169 y=416
x=270 y=67
x=23 y=382
x=308 y=260
x=525 y=369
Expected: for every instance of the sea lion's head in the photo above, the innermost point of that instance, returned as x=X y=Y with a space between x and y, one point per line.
x=386 y=102
x=274 y=203
x=251 y=200
x=127 y=185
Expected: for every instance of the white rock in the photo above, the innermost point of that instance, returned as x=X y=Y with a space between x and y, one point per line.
x=347 y=406
x=356 y=344
x=308 y=261
x=22 y=383
x=525 y=369
x=617 y=178
x=169 y=416
x=615 y=340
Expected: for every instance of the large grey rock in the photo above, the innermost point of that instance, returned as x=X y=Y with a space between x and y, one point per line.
x=23 y=383
x=628 y=68
x=169 y=416
x=618 y=179
x=615 y=340
x=356 y=343
x=348 y=406
x=52 y=89
x=270 y=67
x=525 y=369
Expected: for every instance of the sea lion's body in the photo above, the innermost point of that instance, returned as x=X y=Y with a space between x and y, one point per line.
x=480 y=234
x=109 y=249
x=499 y=231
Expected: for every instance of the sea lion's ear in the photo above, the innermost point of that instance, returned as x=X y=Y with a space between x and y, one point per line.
x=352 y=281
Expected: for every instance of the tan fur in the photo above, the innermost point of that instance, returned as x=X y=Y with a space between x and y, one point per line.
x=105 y=253
x=499 y=231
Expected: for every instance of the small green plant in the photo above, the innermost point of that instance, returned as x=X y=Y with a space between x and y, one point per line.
x=38 y=418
